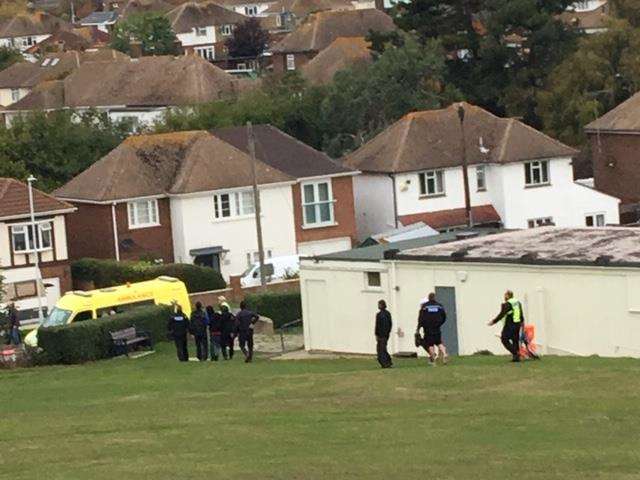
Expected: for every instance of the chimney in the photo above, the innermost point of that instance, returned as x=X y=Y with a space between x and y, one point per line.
x=177 y=47
x=379 y=4
x=135 y=49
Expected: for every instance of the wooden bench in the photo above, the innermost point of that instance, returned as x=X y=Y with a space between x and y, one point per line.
x=124 y=340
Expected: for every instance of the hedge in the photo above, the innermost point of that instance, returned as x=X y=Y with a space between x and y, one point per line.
x=107 y=273
x=90 y=340
x=280 y=307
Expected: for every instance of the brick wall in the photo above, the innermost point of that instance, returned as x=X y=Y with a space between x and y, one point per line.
x=235 y=293
x=279 y=61
x=615 y=165
x=60 y=270
x=343 y=210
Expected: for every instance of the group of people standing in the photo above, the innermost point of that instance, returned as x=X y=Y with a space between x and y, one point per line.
x=214 y=331
x=432 y=316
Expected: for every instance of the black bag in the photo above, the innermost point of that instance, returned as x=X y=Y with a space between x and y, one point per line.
x=419 y=341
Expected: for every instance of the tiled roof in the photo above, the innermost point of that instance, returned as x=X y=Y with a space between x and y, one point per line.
x=190 y=15
x=625 y=118
x=343 y=53
x=38 y=23
x=14 y=200
x=97 y=18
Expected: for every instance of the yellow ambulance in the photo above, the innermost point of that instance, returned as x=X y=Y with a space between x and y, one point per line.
x=79 y=306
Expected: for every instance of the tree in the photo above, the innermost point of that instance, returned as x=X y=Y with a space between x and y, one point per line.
x=249 y=39
x=57 y=146
x=151 y=29
x=599 y=75
x=628 y=10
x=8 y=57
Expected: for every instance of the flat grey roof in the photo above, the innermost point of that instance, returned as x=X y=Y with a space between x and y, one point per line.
x=375 y=253
x=607 y=246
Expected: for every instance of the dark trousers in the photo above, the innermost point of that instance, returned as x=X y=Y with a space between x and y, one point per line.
x=216 y=347
x=202 y=350
x=227 y=346
x=384 y=359
x=181 y=348
x=511 y=339
x=246 y=344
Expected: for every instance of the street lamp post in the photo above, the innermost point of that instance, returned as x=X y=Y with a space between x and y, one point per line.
x=465 y=169
x=36 y=245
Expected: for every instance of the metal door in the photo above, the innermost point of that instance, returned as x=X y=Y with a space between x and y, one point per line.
x=447 y=297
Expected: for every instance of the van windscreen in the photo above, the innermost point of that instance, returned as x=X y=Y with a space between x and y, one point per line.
x=57 y=317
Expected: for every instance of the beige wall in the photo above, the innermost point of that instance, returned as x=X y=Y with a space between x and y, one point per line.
x=576 y=310
x=5 y=95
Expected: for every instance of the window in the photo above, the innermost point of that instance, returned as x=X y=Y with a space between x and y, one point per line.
x=291 y=61
x=208 y=53
x=25 y=289
x=481 y=181
x=54 y=62
x=278 y=20
x=317 y=204
x=540 y=222
x=15 y=94
x=536 y=173
x=254 y=257
x=143 y=213
x=28 y=41
x=83 y=316
x=46 y=62
x=431 y=183
x=251 y=10
x=226 y=30
x=237 y=204
x=23 y=239
x=373 y=280
x=595 y=220
x=201 y=31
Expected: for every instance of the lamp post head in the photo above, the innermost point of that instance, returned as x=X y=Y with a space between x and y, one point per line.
x=461 y=113
x=31 y=179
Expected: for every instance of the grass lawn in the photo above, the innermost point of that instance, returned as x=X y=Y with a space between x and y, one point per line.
x=478 y=418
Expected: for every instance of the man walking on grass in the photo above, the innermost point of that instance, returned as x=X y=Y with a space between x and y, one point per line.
x=198 y=327
x=430 y=319
x=382 y=332
x=511 y=313
x=246 y=322
x=178 y=328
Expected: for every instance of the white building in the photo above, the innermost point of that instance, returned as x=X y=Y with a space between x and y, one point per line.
x=19 y=247
x=23 y=31
x=580 y=288
x=188 y=197
x=518 y=177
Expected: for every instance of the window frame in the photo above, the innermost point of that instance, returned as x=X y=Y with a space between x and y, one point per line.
x=251 y=10
x=483 y=175
x=133 y=215
x=226 y=30
x=317 y=204
x=237 y=204
x=538 y=222
x=423 y=183
x=15 y=95
x=542 y=167
x=368 y=286
x=594 y=217
x=30 y=239
x=199 y=30
x=208 y=53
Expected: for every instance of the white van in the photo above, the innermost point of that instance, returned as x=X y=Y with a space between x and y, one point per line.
x=277 y=268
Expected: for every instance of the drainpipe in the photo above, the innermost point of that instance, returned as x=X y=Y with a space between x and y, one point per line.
x=115 y=231
x=394 y=303
x=395 y=199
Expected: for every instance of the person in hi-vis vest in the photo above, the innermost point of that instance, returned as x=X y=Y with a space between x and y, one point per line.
x=513 y=316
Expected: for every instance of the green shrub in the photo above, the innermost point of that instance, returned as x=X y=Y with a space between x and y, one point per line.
x=280 y=307
x=90 y=340
x=107 y=273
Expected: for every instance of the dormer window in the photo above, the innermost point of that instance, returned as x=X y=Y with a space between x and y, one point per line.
x=201 y=31
x=251 y=10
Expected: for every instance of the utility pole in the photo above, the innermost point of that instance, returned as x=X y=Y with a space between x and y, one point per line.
x=36 y=247
x=256 y=201
x=465 y=169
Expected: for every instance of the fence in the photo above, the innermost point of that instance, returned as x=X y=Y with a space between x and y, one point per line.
x=235 y=292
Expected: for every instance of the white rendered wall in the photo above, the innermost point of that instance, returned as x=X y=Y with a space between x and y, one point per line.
x=191 y=39
x=193 y=215
x=6 y=98
x=323 y=247
x=339 y=311
x=373 y=202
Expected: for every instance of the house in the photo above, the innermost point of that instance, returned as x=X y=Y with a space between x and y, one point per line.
x=517 y=176
x=19 y=247
x=187 y=197
x=342 y=53
x=137 y=89
x=77 y=39
x=25 y=30
x=203 y=28
x=588 y=16
x=320 y=29
x=126 y=8
x=103 y=21
x=544 y=268
x=19 y=79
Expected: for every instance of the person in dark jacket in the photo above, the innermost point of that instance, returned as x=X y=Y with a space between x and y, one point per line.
x=382 y=332
x=431 y=317
x=513 y=316
x=246 y=322
x=198 y=328
x=178 y=328
x=229 y=331
x=215 y=333
x=14 y=325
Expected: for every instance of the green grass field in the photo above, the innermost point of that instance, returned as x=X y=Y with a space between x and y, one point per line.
x=478 y=418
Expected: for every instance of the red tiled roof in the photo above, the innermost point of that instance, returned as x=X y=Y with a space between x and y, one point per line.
x=453 y=218
x=14 y=200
